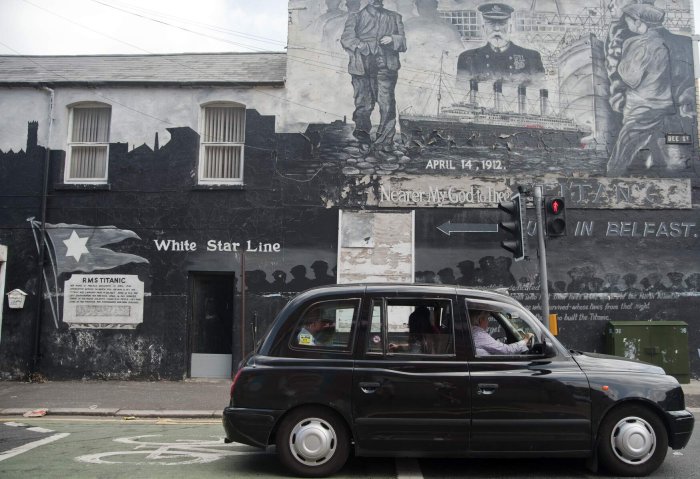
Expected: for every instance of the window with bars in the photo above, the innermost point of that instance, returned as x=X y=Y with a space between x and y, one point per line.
x=222 y=136
x=467 y=22
x=88 y=144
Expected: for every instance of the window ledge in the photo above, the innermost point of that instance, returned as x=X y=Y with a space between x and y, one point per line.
x=218 y=187
x=83 y=186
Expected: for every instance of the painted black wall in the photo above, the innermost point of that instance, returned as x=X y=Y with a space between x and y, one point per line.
x=287 y=184
x=20 y=194
x=154 y=194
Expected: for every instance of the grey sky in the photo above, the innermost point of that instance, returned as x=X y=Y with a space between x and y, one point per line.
x=68 y=27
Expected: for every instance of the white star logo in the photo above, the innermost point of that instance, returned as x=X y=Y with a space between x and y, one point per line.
x=76 y=246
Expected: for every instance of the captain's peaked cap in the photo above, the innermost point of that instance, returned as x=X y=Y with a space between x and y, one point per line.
x=495 y=11
x=644 y=12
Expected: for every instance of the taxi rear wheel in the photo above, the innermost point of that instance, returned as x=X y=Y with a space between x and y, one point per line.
x=632 y=441
x=313 y=442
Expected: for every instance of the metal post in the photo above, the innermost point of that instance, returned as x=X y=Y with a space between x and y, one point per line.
x=36 y=350
x=243 y=292
x=544 y=287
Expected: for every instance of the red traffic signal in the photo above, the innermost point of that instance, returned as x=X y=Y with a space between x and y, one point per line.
x=555 y=216
x=556 y=206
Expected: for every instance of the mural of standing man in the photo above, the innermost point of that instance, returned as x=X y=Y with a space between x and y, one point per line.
x=500 y=58
x=374 y=37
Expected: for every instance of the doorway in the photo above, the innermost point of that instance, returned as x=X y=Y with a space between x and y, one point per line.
x=211 y=325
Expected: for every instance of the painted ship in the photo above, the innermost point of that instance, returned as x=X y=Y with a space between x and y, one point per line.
x=470 y=123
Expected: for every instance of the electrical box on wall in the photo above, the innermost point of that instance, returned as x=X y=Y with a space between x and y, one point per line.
x=15 y=299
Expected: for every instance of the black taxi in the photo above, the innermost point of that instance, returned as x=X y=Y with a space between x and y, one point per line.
x=443 y=371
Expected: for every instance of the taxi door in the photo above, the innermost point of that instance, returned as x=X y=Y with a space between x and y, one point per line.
x=410 y=394
x=525 y=403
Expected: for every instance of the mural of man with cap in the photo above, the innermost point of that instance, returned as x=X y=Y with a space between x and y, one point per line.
x=630 y=280
x=653 y=93
x=321 y=276
x=499 y=58
x=618 y=33
x=467 y=270
x=299 y=281
x=645 y=70
x=676 y=281
x=279 y=282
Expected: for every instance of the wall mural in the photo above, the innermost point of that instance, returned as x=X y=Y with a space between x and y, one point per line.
x=395 y=105
x=79 y=248
x=614 y=265
x=525 y=87
x=299 y=278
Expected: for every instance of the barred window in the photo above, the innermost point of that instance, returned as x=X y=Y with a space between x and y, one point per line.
x=467 y=22
x=88 y=144
x=221 y=144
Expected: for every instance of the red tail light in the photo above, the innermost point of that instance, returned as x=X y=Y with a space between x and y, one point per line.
x=235 y=378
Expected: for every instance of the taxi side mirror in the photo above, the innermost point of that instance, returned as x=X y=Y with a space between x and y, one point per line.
x=545 y=348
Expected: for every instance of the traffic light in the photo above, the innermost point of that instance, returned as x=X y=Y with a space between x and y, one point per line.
x=555 y=216
x=515 y=226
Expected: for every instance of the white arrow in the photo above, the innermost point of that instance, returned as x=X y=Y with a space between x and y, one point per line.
x=449 y=228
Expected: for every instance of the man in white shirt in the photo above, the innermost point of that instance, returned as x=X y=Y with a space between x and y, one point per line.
x=487 y=345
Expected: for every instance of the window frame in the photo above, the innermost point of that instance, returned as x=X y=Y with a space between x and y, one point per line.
x=67 y=177
x=203 y=145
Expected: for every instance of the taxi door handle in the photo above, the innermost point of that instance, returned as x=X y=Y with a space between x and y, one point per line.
x=486 y=389
x=369 y=388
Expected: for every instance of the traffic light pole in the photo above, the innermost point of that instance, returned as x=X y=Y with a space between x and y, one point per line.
x=544 y=286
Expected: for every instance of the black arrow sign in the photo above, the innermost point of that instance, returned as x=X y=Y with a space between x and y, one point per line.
x=449 y=228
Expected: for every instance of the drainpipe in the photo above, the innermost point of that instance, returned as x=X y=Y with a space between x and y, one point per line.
x=42 y=239
x=243 y=292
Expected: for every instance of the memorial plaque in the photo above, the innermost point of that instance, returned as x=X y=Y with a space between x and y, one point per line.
x=103 y=301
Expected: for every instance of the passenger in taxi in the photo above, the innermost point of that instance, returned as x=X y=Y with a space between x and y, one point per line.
x=420 y=333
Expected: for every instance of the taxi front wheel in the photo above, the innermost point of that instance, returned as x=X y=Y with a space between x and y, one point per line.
x=632 y=442
x=313 y=442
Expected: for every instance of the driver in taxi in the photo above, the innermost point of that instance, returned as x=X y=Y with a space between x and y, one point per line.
x=311 y=334
x=485 y=344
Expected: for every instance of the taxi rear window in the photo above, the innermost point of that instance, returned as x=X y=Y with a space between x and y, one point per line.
x=326 y=325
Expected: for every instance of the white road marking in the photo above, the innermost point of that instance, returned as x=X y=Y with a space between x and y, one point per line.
x=26 y=447
x=15 y=424
x=39 y=429
x=408 y=469
x=181 y=452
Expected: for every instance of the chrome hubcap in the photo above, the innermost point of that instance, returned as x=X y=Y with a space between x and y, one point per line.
x=313 y=441
x=633 y=440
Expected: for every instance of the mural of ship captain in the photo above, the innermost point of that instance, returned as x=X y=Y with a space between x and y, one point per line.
x=499 y=58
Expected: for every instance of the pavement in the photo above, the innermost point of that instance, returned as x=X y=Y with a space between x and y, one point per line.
x=191 y=398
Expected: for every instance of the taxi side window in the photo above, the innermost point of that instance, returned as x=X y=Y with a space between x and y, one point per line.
x=411 y=326
x=326 y=325
x=498 y=330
